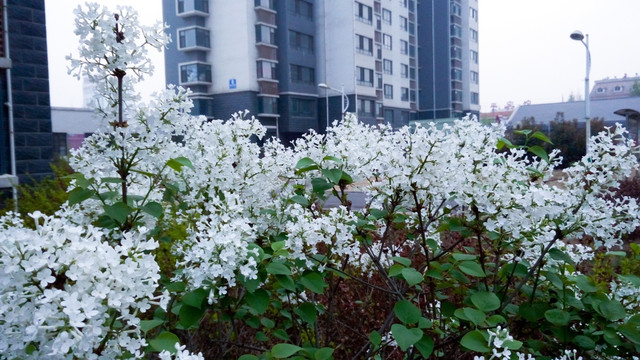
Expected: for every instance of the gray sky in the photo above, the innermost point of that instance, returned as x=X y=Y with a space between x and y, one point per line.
x=525 y=49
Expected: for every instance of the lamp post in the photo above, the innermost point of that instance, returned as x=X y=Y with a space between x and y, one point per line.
x=344 y=101
x=584 y=39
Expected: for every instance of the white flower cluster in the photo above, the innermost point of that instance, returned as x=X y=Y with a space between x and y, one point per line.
x=181 y=354
x=65 y=292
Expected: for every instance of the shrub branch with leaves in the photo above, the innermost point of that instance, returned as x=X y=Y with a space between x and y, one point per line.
x=462 y=250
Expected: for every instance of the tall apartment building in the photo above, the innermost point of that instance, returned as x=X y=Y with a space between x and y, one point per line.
x=395 y=60
x=26 y=144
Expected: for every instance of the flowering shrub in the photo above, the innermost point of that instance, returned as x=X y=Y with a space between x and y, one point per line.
x=461 y=250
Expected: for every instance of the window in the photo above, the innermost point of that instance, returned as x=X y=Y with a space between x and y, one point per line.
x=456 y=9
x=618 y=88
x=193 y=38
x=388 y=115
x=265 y=4
x=265 y=34
x=378 y=51
x=303 y=107
x=404 y=94
x=412 y=50
x=473 y=13
x=301 y=8
x=366 y=107
x=601 y=90
x=267 y=70
x=474 y=35
x=404 y=23
x=456 y=74
x=379 y=79
x=267 y=105
x=387 y=66
x=364 y=76
x=475 y=77
x=302 y=74
x=475 y=98
x=456 y=95
x=456 y=52
x=404 y=71
x=456 y=30
x=379 y=109
x=404 y=47
x=386 y=16
x=412 y=73
x=388 y=91
x=412 y=95
x=412 y=28
x=474 y=56
x=386 y=41
x=188 y=6
x=363 y=13
x=364 y=45
x=301 y=41
x=195 y=73
x=403 y=3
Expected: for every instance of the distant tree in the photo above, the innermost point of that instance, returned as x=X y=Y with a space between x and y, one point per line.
x=635 y=89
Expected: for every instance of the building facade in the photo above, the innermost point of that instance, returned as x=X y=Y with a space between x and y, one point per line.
x=290 y=61
x=24 y=92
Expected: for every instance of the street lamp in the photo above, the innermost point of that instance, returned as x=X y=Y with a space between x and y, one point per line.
x=584 y=39
x=344 y=102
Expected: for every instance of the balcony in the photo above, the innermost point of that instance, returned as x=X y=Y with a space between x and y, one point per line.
x=194 y=38
x=192 y=8
x=195 y=73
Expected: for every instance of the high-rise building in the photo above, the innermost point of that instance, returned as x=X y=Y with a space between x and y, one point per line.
x=290 y=61
x=26 y=144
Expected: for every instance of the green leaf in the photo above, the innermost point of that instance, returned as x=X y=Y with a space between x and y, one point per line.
x=584 y=342
x=522 y=132
x=278 y=268
x=412 y=276
x=612 y=310
x=30 y=349
x=396 y=269
x=502 y=142
x=585 y=284
x=407 y=312
x=299 y=199
x=153 y=208
x=320 y=185
x=405 y=337
x=471 y=268
x=425 y=346
x=559 y=255
x=306 y=164
x=485 y=301
x=375 y=338
x=281 y=351
x=332 y=158
x=512 y=344
x=258 y=300
x=164 y=341
x=248 y=357
x=146 y=325
x=118 y=212
x=334 y=175
x=557 y=317
x=462 y=257
x=539 y=152
x=378 y=214
x=402 y=260
x=111 y=180
x=541 y=136
x=177 y=163
x=477 y=317
x=79 y=195
x=314 y=282
x=324 y=353
x=307 y=312
x=190 y=315
x=176 y=286
x=195 y=297
x=475 y=341
x=286 y=282
x=631 y=332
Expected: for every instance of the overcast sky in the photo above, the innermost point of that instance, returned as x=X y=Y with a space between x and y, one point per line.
x=525 y=49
